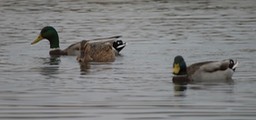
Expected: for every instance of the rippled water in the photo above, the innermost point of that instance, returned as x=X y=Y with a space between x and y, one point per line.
x=138 y=85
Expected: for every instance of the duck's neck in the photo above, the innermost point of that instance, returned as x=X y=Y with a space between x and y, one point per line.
x=55 y=47
x=183 y=72
x=183 y=69
x=54 y=41
x=180 y=79
x=57 y=52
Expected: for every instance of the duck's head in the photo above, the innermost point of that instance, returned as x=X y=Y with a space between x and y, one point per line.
x=50 y=34
x=179 y=66
x=119 y=45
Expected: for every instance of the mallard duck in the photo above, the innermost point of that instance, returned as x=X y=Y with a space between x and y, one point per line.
x=205 y=71
x=96 y=52
x=51 y=35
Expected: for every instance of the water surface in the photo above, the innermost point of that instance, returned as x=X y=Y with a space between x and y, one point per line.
x=138 y=85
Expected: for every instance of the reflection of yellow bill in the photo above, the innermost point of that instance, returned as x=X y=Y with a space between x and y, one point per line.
x=39 y=38
x=176 y=68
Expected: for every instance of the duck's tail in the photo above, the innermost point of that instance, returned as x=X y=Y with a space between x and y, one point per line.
x=235 y=65
x=119 y=45
x=106 y=38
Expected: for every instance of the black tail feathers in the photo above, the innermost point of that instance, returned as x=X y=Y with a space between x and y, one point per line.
x=119 y=45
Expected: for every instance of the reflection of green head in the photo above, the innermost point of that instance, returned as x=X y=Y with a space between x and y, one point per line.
x=179 y=66
x=50 y=34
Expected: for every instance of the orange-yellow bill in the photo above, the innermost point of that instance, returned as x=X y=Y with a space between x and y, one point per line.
x=176 y=68
x=39 y=38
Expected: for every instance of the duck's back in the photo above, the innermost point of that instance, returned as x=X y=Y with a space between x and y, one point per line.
x=210 y=71
x=97 y=52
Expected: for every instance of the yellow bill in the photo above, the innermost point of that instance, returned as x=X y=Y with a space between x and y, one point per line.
x=39 y=38
x=176 y=69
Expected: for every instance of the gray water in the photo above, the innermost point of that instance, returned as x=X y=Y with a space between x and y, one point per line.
x=138 y=85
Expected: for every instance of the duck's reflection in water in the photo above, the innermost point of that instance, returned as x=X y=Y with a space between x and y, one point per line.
x=180 y=85
x=180 y=90
x=53 y=60
x=50 y=66
x=84 y=68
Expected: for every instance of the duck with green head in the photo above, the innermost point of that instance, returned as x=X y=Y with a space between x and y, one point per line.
x=51 y=35
x=205 y=71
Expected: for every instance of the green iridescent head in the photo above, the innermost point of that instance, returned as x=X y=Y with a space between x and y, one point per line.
x=179 y=66
x=50 y=34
